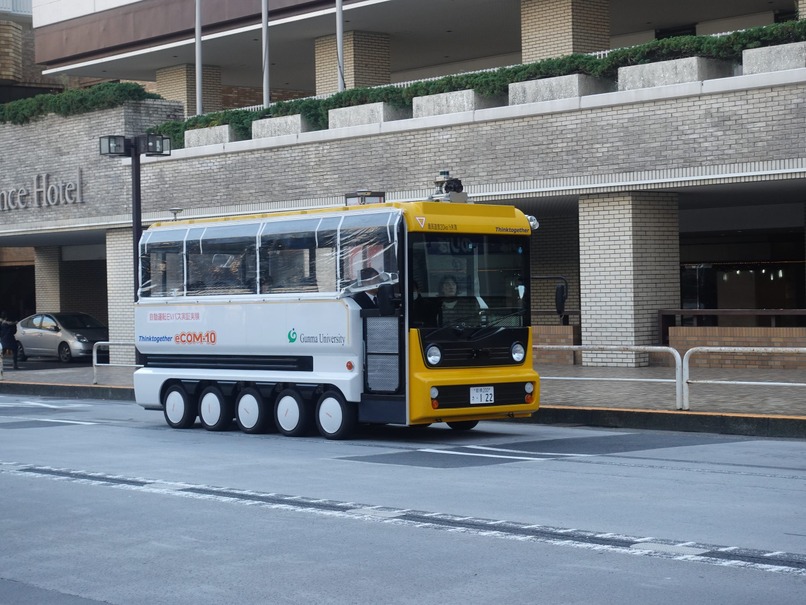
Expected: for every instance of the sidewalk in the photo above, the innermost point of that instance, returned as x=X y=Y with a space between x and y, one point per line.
x=595 y=400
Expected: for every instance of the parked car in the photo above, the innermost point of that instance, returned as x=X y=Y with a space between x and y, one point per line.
x=67 y=336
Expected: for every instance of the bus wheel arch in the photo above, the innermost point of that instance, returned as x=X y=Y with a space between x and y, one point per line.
x=215 y=409
x=335 y=417
x=179 y=407
x=292 y=413
x=253 y=413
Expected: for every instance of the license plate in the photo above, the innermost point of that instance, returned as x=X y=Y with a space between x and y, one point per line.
x=482 y=395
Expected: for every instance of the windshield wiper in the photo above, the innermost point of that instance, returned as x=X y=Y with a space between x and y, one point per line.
x=498 y=320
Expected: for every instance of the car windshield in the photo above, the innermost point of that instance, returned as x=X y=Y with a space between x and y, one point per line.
x=76 y=321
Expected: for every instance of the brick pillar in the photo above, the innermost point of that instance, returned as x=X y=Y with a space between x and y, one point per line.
x=178 y=83
x=11 y=53
x=554 y=28
x=120 y=293
x=367 y=61
x=800 y=6
x=629 y=268
x=47 y=278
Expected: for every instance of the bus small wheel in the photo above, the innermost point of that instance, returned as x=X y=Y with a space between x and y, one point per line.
x=215 y=410
x=178 y=407
x=294 y=416
x=335 y=418
x=463 y=425
x=252 y=413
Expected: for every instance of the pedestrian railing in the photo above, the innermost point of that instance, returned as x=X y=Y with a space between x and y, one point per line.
x=682 y=377
x=108 y=345
x=762 y=350
x=678 y=365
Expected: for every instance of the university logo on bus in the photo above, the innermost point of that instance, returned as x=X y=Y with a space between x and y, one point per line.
x=292 y=335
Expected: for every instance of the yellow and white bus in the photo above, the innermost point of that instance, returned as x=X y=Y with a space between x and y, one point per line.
x=266 y=320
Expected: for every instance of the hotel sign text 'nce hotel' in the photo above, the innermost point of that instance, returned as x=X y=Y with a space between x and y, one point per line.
x=44 y=192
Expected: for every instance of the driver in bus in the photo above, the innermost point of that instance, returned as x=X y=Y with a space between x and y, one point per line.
x=456 y=309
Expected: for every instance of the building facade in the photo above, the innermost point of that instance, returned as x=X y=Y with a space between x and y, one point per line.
x=652 y=193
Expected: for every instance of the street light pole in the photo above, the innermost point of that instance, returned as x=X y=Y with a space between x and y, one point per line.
x=137 y=213
x=150 y=144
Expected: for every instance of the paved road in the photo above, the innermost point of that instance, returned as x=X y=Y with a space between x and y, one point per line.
x=103 y=503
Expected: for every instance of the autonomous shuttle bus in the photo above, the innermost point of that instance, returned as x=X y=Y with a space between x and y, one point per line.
x=403 y=312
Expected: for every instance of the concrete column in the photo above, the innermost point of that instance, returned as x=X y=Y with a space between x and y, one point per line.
x=119 y=292
x=629 y=263
x=178 y=83
x=554 y=28
x=11 y=54
x=47 y=277
x=367 y=61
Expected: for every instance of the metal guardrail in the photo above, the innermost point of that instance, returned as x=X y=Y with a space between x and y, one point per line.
x=678 y=365
x=107 y=345
x=682 y=378
x=764 y=350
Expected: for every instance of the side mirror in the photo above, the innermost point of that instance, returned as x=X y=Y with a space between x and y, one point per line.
x=386 y=299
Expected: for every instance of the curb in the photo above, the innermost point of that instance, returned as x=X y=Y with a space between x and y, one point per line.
x=699 y=422
x=72 y=391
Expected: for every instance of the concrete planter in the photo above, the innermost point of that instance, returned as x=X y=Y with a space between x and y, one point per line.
x=558 y=335
x=280 y=126
x=214 y=135
x=679 y=71
x=562 y=87
x=371 y=113
x=452 y=102
x=774 y=58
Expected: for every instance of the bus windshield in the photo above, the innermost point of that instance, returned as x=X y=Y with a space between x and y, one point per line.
x=468 y=280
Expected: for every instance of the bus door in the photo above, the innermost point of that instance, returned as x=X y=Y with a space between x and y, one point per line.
x=384 y=397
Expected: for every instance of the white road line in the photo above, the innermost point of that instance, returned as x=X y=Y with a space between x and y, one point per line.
x=37 y=404
x=454 y=453
x=501 y=449
x=59 y=421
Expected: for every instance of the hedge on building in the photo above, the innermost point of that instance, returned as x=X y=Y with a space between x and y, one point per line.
x=74 y=101
x=488 y=83
x=496 y=82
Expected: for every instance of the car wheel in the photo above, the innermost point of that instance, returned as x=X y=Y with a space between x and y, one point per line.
x=463 y=425
x=65 y=355
x=178 y=407
x=215 y=410
x=252 y=412
x=293 y=415
x=335 y=418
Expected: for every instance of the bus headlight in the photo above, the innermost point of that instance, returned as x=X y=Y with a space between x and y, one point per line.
x=529 y=388
x=518 y=353
x=433 y=355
